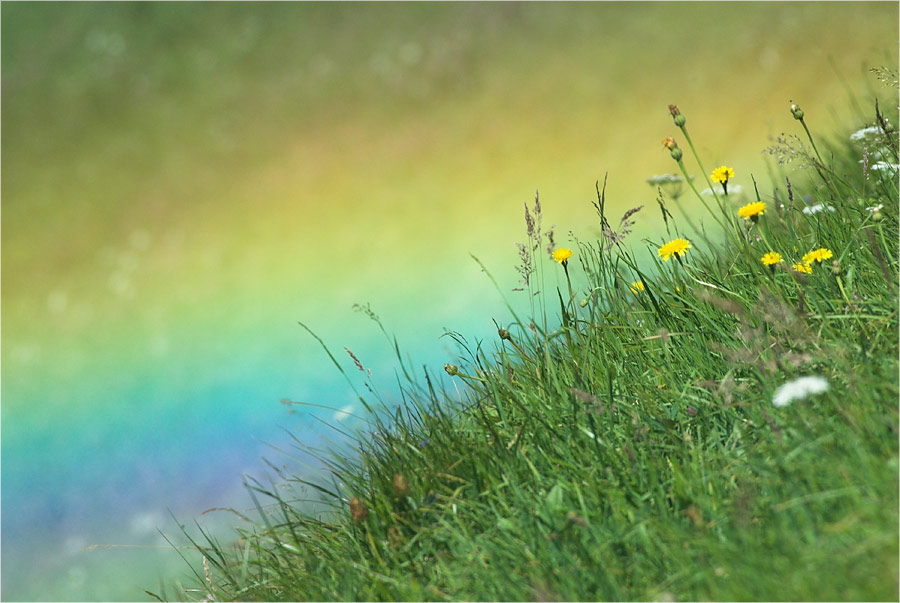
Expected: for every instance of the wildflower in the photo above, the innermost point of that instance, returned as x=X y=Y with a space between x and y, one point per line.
x=637 y=287
x=752 y=211
x=451 y=369
x=723 y=174
x=885 y=166
x=670 y=144
x=771 y=258
x=817 y=255
x=862 y=135
x=678 y=247
x=814 y=209
x=799 y=389
x=657 y=180
x=736 y=189
x=803 y=268
x=875 y=208
x=562 y=255
x=796 y=111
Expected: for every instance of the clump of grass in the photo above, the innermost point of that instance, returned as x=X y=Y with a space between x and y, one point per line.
x=718 y=427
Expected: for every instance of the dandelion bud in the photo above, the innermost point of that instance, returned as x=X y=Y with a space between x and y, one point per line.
x=796 y=111
x=451 y=369
x=504 y=334
x=836 y=268
x=677 y=154
x=677 y=116
x=358 y=510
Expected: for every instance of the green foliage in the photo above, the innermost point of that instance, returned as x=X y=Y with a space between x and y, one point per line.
x=634 y=452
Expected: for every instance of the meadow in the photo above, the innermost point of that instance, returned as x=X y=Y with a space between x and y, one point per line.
x=183 y=182
x=709 y=413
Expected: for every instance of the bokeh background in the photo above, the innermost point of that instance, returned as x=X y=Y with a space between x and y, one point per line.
x=183 y=182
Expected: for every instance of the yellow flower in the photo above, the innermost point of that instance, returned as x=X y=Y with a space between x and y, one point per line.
x=817 y=255
x=804 y=268
x=562 y=255
x=723 y=174
x=670 y=143
x=771 y=258
x=752 y=211
x=637 y=287
x=678 y=247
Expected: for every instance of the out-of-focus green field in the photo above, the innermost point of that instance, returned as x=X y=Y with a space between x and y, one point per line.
x=183 y=181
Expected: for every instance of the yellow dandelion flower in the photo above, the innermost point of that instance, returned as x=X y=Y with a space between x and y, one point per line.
x=562 y=255
x=752 y=211
x=637 y=287
x=802 y=267
x=771 y=258
x=678 y=247
x=723 y=174
x=817 y=255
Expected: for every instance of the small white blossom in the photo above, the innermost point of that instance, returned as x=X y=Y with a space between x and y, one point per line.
x=884 y=165
x=872 y=210
x=799 y=389
x=865 y=133
x=734 y=189
x=664 y=179
x=814 y=209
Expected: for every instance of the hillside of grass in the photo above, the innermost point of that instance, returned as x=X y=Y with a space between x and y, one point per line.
x=708 y=415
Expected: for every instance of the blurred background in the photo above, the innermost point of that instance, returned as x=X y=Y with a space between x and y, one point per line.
x=183 y=182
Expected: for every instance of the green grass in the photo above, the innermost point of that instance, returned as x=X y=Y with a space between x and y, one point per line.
x=624 y=445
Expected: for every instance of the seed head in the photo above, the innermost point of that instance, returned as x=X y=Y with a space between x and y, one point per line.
x=358 y=510
x=401 y=486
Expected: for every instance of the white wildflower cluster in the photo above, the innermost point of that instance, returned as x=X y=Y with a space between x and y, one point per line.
x=734 y=189
x=869 y=134
x=885 y=166
x=662 y=179
x=798 y=389
x=814 y=209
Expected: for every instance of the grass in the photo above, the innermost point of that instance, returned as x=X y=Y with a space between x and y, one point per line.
x=622 y=442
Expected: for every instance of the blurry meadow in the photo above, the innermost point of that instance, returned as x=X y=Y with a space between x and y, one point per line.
x=183 y=182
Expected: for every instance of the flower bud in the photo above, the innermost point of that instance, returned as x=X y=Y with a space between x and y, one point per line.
x=796 y=111
x=836 y=268
x=677 y=154
x=451 y=369
x=677 y=116
x=669 y=143
x=888 y=126
x=877 y=216
x=504 y=334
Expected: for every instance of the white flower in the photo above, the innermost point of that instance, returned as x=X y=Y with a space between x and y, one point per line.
x=799 y=389
x=664 y=179
x=865 y=133
x=884 y=165
x=814 y=209
x=872 y=210
x=734 y=189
